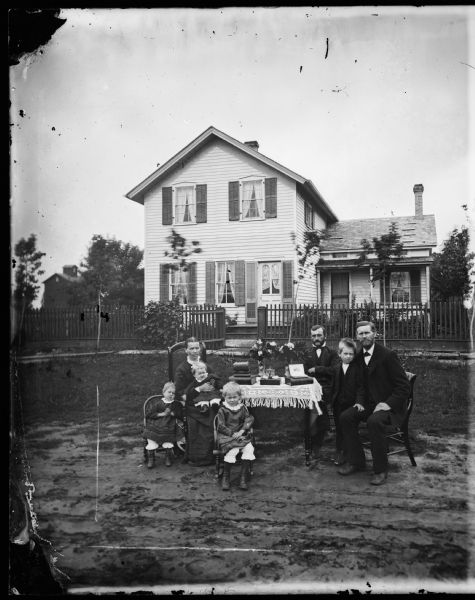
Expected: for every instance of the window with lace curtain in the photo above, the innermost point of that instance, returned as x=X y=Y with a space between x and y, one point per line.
x=179 y=281
x=252 y=199
x=225 y=288
x=185 y=204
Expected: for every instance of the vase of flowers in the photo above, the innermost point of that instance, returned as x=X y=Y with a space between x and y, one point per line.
x=267 y=356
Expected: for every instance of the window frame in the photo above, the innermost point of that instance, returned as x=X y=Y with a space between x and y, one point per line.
x=172 y=284
x=309 y=215
x=216 y=282
x=175 y=188
x=249 y=179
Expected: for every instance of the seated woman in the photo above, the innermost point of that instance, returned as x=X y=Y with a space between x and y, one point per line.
x=183 y=375
x=200 y=408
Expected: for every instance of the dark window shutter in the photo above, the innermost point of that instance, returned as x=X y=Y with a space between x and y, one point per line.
x=271 y=197
x=239 y=280
x=234 y=201
x=251 y=292
x=192 y=284
x=415 y=295
x=167 y=206
x=201 y=201
x=164 y=283
x=210 y=283
x=287 y=281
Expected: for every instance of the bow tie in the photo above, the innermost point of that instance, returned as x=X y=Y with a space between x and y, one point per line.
x=367 y=353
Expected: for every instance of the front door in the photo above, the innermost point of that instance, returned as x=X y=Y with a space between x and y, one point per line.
x=270 y=283
x=340 y=288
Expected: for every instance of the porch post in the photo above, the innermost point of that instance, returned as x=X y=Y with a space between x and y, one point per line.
x=428 y=283
x=318 y=287
x=371 y=284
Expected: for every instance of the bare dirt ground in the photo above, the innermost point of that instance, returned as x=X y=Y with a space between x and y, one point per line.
x=132 y=526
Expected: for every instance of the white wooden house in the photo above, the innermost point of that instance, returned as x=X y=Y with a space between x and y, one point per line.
x=241 y=207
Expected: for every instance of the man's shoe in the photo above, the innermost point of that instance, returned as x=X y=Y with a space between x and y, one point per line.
x=379 y=478
x=349 y=469
x=339 y=459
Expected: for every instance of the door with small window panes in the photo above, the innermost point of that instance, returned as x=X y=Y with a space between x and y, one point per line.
x=270 y=283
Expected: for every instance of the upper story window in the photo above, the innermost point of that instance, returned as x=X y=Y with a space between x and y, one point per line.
x=252 y=199
x=184 y=204
x=308 y=215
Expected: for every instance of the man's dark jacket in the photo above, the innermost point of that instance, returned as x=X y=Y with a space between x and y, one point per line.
x=385 y=381
x=324 y=368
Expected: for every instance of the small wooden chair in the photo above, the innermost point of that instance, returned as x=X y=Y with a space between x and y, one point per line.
x=219 y=454
x=400 y=435
x=148 y=404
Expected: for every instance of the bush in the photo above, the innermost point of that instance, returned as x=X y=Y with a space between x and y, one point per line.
x=162 y=323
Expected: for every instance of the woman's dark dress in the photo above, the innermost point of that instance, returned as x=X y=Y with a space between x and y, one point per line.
x=200 y=439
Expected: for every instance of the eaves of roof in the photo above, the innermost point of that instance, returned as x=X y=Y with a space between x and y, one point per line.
x=305 y=185
x=329 y=264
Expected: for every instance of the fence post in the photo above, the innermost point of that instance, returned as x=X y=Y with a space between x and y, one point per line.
x=220 y=323
x=262 y=322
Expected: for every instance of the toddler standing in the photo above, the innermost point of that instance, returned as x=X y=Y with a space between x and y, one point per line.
x=162 y=427
x=234 y=433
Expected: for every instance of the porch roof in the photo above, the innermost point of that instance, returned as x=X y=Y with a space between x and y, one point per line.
x=416 y=232
x=353 y=264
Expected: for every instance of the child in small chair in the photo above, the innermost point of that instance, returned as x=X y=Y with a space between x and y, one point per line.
x=195 y=395
x=234 y=433
x=162 y=427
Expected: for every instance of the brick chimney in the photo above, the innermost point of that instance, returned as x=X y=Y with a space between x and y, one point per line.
x=70 y=270
x=418 y=189
x=253 y=144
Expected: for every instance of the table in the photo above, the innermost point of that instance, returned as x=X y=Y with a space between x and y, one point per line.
x=286 y=396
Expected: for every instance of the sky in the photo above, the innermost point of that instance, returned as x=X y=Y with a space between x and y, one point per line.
x=381 y=106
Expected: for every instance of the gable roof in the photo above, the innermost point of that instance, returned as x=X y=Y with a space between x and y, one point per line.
x=416 y=232
x=305 y=186
x=64 y=277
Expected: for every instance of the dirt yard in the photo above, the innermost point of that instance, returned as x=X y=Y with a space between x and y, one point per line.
x=114 y=523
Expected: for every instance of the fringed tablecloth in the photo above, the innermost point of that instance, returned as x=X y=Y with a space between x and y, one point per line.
x=283 y=396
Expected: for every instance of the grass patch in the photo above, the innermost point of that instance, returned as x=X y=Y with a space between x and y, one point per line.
x=65 y=391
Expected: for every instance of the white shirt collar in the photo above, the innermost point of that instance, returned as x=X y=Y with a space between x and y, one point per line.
x=370 y=350
x=232 y=408
x=345 y=367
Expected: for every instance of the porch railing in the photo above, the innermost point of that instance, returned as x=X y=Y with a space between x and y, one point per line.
x=431 y=321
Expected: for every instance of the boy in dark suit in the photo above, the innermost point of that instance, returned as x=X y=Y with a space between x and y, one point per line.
x=320 y=362
x=386 y=392
x=347 y=390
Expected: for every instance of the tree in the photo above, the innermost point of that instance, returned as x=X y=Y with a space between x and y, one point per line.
x=111 y=269
x=111 y=275
x=388 y=249
x=180 y=251
x=450 y=271
x=308 y=257
x=27 y=270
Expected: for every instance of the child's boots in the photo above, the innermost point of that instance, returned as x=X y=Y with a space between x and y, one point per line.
x=168 y=457
x=150 y=459
x=226 y=484
x=244 y=474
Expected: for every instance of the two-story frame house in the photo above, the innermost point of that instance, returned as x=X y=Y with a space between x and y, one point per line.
x=242 y=207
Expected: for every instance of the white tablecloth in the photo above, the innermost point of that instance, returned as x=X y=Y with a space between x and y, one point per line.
x=283 y=396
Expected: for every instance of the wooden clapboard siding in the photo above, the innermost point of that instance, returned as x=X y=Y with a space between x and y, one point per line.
x=216 y=165
x=307 y=289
